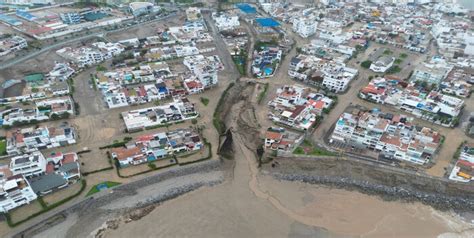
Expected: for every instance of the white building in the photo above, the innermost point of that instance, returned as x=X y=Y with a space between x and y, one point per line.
x=12 y=44
x=15 y=190
x=203 y=68
x=382 y=64
x=337 y=77
x=225 y=21
x=29 y=165
x=179 y=110
x=431 y=73
x=305 y=27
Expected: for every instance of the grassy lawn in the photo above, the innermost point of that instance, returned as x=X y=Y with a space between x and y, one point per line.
x=403 y=55
x=387 y=52
x=205 y=101
x=3 y=147
x=95 y=189
x=262 y=94
x=239 y=61
x=394 y=69
x=307 y=148
x=398 y=61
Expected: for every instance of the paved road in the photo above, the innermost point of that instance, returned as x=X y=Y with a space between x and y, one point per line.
x=21 y=59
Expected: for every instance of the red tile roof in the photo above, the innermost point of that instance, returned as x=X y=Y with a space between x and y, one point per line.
x=69 y=158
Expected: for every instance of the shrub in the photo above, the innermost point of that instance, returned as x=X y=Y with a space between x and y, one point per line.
x=205 y=101
x=366 y=64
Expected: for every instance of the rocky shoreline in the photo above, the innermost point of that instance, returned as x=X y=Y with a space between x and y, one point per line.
x=436 y=200
x=178 y=181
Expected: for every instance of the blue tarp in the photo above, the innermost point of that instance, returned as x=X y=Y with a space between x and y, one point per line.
x=267 y=22
x=246 y=8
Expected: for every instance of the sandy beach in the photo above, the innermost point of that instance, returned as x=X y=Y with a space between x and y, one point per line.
x=255 y=205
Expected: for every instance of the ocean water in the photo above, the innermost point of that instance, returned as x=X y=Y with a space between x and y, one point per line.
x=469 y=4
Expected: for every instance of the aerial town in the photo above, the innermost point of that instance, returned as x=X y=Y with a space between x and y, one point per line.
x=102 y=100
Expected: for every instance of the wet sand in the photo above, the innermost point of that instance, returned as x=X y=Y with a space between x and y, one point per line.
x=252 y=205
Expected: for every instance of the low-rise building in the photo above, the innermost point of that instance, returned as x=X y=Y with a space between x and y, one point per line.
x=297 y=107
x=382 y=64
x=15 y=190
x=12 y=44
x=463 y=170
x=179 y=110
x=279 y=139
x=430 y=105
x=149 y=148
x=30 y=139
x=29 y=165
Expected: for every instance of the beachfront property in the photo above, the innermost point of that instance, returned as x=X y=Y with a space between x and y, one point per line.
x=266 y=61
x=60 y=171
x=280 y=139
x=391 y=136
x=15 y=190
x=181 y=109
x=31 y=139
x=463 y=170
x=427 y=104
x=152 y=147
x=11 y=44
x=298 y=107
x=30 y=175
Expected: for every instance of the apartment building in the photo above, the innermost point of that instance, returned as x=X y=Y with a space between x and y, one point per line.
x=393 y=136
x=431 y=73
x=337 y=77
x=204 y=68
x=225 y=21
x=305 y=26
